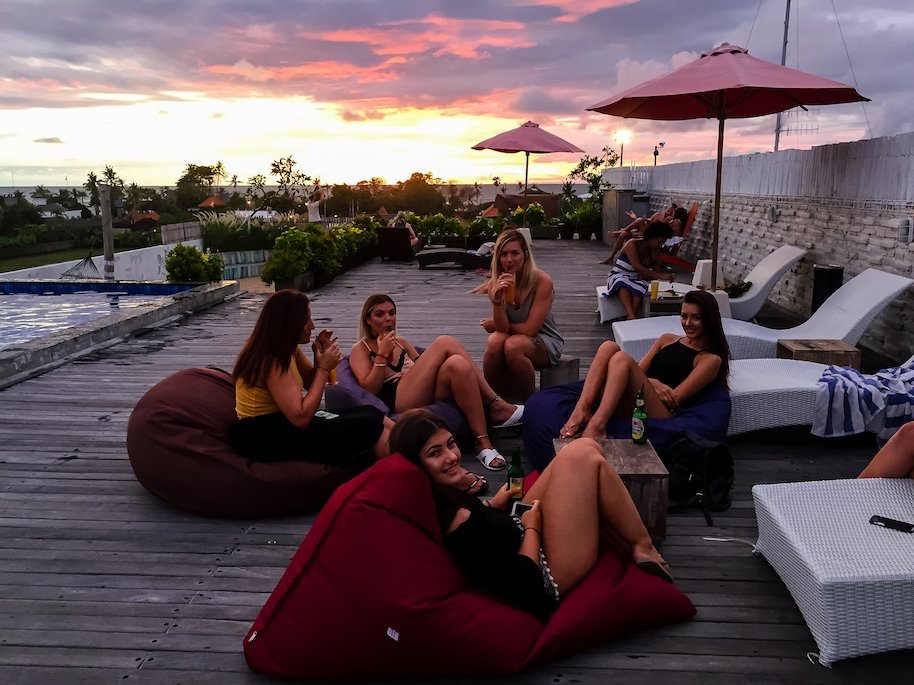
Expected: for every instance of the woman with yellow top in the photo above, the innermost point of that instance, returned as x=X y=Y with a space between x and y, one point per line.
x=276 y=421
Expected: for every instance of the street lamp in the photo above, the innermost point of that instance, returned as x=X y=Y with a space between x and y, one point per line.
x=657 y=149
x=622 y=136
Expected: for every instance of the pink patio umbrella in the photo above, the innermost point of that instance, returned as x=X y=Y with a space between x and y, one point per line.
x=527 y=138
x=725 y=83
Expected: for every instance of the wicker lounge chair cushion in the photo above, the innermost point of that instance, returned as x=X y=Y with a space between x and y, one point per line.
x=853 y=581
x=707 y=414
x=372 y=593
x=177 y=440
x=347 y=393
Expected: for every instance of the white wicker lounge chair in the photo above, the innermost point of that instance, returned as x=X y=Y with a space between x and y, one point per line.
x=843 y=316
x=763 y=278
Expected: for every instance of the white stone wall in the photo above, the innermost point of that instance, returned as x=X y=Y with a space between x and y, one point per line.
x=144 y=264
x=853 y=234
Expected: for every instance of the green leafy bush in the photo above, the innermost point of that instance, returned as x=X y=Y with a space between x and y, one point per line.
x=438 y=226
x=224 y=232
x=485 y=228
x=185 y=263
x=535 y=214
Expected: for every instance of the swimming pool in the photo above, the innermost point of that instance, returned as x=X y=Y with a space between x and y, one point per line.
x=33 y=309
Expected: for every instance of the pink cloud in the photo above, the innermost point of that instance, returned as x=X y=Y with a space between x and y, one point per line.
x=335 y=71
x=436 y=34
x=573 y=10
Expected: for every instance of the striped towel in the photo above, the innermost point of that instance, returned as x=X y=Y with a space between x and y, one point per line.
x=847 y=400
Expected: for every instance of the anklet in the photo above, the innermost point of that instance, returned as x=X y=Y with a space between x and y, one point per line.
x=492 y=401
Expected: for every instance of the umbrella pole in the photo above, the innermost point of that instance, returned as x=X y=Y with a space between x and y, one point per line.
x=526 y=173
x=715 y=224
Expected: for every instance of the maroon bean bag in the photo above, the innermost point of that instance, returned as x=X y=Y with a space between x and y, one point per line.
x=178 y=443
x=372 y=593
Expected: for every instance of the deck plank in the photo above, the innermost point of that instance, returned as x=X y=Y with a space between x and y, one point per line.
x=101 y=582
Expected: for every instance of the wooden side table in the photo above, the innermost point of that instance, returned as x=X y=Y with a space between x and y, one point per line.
x=644 y=475
x=835 y=352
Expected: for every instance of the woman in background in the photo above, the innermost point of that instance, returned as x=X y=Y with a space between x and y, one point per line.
x=523 y=336
x=638 y=263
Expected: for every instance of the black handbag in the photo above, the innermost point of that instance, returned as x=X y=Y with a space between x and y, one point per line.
x=701 y=474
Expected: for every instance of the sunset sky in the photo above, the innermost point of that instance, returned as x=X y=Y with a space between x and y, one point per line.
x=355 y=89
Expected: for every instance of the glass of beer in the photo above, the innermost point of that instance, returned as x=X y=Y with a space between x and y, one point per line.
x=331 y=376
x=655 y=290
x=509 y=292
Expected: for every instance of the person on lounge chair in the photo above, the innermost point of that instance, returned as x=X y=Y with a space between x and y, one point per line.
x=674 y=215
x=399 y=221
x=896 y=458
x=636 y=265
x=386 y=364
x=673 y=371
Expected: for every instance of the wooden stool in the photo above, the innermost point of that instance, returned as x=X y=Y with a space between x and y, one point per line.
x=568 y=370
x=835 y=352
x=644 y=475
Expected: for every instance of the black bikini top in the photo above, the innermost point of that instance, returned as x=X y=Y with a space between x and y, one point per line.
x=396 y=367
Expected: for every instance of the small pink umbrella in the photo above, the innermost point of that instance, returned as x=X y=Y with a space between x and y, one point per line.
x=527 y=138
x=725 y=83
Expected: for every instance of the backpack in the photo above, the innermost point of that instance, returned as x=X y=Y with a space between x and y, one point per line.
x=701 y=474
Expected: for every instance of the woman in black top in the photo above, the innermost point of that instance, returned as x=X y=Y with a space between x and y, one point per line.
x=672 y=371
x=576 y=498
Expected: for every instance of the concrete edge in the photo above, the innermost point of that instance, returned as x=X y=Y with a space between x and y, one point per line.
x=40 y=355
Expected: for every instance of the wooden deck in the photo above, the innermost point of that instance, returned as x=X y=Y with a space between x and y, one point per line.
x=101 y=583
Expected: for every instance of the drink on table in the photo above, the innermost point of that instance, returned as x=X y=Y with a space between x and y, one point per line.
x=516 y=476
x=639 y=420
x=655 y=290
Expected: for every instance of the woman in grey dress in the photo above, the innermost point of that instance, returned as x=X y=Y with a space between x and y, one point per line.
x=523 y=336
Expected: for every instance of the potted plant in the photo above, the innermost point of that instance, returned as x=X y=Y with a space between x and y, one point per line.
x=288 y=262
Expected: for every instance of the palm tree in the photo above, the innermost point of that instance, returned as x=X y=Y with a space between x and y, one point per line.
x=91 y=186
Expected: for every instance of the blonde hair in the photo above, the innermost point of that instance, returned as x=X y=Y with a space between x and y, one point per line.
x=372 y=302
x=526 y=277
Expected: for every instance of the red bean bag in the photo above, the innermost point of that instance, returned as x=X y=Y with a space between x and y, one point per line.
x=178 y=443
x=372 y=593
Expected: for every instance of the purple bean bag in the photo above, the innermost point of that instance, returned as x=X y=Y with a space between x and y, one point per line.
x=707 y=413
x=347 y=393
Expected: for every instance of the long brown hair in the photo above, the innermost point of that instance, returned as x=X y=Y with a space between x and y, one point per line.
x=525 y=279
x=412 y=430
x=372 y=302
x=712 y=328
x=274 y=339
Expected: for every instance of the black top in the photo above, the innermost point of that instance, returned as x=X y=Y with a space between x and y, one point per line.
x=372 y=355
x=485 y=547
x=673 y=364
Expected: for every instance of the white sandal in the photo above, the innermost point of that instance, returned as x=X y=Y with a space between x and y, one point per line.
x=488 y=455
x=514 y=420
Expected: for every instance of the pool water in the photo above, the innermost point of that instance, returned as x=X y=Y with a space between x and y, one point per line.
x=25 y=317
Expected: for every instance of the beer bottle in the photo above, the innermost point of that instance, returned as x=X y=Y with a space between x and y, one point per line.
x=639 y=420
x=516 y=476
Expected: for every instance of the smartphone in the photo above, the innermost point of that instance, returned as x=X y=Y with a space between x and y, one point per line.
x=903 y=526
x=321 y=414
x=518 y=507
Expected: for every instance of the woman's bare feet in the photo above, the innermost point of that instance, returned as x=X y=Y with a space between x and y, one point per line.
x=648 y=559
x=575 y=423
x=594 y=430
x=500 y=411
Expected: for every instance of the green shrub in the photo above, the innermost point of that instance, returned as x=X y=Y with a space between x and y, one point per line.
x=185 y=263
x=226 y=233
x=535 y=214
x=282 y=265
x=484 y=228
x=438 y=226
